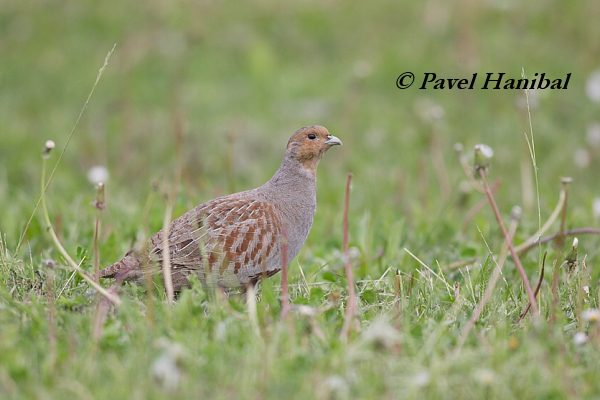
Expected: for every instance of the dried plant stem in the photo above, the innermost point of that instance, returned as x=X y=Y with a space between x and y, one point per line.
x=563 y=220
x=509 y=242
x=459 y=263
x=166 y=267
x=398 y=292
x=148 y=273
x=478 y=207
x=351 y=305
x=113 y=298
x=45 y=187
x=252 y=314
x=96 y=258
x=101 y=312
x=533 y=240
x=545 y=239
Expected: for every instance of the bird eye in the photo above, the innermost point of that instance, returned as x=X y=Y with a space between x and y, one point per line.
x=312 y=136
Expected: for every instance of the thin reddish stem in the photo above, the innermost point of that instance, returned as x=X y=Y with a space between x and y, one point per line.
x=510 y=245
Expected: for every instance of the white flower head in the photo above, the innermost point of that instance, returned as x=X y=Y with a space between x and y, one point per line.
x=48 y=146
x=591 y=315
x=483 y=153
x=485 y=150
x=97 y=174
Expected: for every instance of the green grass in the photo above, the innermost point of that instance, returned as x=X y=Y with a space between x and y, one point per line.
x=215 y=90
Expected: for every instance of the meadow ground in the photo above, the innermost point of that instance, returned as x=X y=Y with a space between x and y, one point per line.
x=198 y=100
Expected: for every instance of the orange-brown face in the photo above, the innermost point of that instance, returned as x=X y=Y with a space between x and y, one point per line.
x=309 y=144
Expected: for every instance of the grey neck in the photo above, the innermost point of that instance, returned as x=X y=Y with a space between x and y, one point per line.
x=294 y=189
x=292 y=174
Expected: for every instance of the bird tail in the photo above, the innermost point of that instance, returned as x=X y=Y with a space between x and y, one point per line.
x=127 y=263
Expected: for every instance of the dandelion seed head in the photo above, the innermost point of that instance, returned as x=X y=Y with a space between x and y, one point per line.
x=97 y=174
x=485 y=150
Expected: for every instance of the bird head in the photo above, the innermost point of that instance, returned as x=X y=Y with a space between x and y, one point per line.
x=309 y=144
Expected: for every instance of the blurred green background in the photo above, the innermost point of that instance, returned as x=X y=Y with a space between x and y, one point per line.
x=216 y=89
x=199 y=99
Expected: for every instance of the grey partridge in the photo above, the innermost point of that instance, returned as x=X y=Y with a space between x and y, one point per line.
x=239 y=238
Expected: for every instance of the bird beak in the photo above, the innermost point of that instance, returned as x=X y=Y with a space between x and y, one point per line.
x=332 y=140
